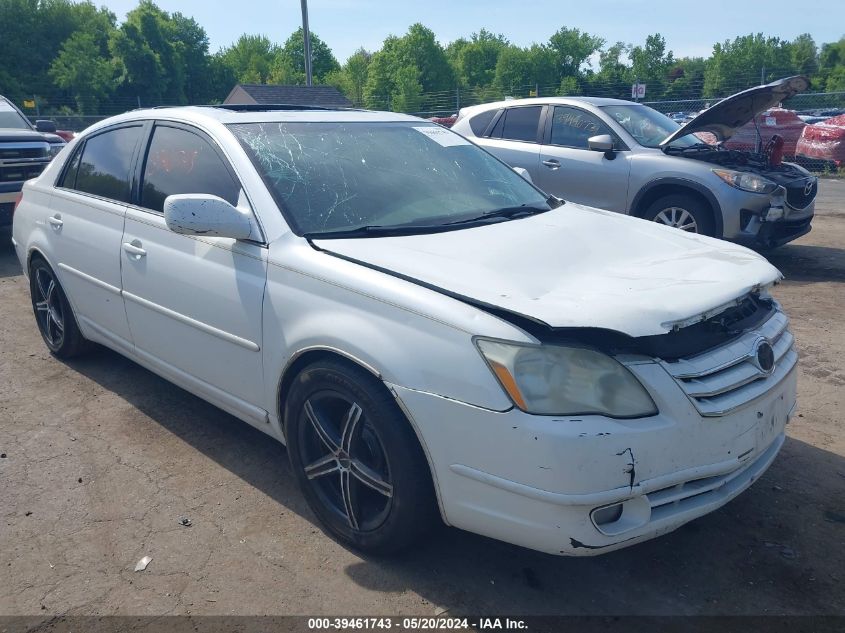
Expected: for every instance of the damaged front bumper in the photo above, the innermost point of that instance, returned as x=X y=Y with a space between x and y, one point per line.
x=772 y=223
x=590 y=484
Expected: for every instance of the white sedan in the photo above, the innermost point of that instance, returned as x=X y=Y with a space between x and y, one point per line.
x=431 y=336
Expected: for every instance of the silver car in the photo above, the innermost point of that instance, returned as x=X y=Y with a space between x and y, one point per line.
x=627 y=157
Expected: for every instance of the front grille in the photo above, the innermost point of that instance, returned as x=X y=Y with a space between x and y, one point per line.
x=11 y=152
x=797 y=195
x=19 y=172
x=726 y=377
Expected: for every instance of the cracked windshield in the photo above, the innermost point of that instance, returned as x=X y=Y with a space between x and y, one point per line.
x=346 y=176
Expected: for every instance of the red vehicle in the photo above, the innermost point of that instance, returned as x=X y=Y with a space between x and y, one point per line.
x=445 y=121
x=824 y=142
x=784 y=123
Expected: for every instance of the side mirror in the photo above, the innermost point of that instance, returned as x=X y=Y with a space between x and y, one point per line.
x=600 y=143
x=43 y=125
x=203 y=214
x=524 y=173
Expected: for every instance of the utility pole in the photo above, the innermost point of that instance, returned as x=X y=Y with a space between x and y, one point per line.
x=762 y=75
x=306 y=34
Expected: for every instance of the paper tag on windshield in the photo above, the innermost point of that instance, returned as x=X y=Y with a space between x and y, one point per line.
x=442 y=136
x=771 y=121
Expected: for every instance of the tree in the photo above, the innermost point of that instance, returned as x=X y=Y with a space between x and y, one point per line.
x=356 y=70
x=573 y=49
x=251 y=58
x=322 y=59
x=650 y=64
x=82 y=69
x=804 y=55
x=514 y=69
x=419 y=51
x=191 y=43
x=407 y=90
x=739 y=64
x=475 y=60
x=614 y=77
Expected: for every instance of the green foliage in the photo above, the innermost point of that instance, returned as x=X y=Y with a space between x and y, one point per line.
x=573 y=49
x=414 y=57
x=747 y=59
x=251 y=58
x=323 y=61
x=75 y=57
x=82 y=69
x=474 y=61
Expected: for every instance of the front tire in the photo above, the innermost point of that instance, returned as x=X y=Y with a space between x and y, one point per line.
x=357 y=459
x=682 y=211
x=53 y=313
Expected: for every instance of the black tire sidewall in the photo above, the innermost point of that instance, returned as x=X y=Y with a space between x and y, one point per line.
x=413 y=503
x=72 y=340
x=699 y=210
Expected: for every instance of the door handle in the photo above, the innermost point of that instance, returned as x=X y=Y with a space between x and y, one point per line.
x=134 y=249
x=56 y=221
x=552 y=163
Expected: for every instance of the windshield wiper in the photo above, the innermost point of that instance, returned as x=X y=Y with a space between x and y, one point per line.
x=505 y=213
x=379 y=230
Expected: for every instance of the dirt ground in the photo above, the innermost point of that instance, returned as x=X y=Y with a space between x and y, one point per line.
x=103 y=459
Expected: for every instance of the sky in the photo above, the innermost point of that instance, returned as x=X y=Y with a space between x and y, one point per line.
x=690 y=28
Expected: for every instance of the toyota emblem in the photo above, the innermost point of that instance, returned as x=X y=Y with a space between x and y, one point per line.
x=764 y=356
x=808 y=188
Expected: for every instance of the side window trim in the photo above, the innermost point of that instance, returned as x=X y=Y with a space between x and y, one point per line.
x=147 y=143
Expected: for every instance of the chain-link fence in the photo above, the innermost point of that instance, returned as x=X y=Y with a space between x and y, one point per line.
x=449 y=102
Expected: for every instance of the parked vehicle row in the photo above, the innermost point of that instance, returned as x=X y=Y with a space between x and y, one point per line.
x=432 y=336
x=626 y=157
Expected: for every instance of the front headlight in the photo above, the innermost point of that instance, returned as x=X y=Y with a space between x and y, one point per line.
x=746 y=181
x=55 y=148
x=552 y=380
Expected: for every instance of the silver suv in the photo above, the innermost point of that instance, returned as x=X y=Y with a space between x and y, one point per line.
x=626 y=157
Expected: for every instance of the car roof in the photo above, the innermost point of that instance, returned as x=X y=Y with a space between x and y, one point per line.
x=226 y=114
x=593 y=101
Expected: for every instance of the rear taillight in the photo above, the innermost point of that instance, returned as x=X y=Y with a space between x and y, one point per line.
x=18 y=199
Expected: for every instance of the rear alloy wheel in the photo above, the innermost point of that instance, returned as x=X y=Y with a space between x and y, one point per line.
x=682 y=211
x=357 y=459
x=53 y=313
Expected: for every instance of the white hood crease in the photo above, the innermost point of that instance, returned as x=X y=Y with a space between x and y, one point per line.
x=576 y=266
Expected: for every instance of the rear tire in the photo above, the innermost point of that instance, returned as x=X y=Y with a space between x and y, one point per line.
x=53 y=313
x=357 y=459
x=682 y=211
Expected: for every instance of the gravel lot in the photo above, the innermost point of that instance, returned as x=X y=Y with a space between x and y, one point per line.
x=103 y=459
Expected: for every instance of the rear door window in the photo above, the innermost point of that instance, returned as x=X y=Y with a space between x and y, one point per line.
x=520 y=124
x=106 y=160
x=179 y=161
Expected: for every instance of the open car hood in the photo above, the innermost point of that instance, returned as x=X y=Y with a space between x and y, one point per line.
x=731 y=113
x=574 y=266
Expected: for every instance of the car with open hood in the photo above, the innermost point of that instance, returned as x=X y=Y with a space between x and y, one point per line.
x=433 y=337
x=629 y=158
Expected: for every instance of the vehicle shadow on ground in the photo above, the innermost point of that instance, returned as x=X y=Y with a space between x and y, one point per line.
x=755 y=557
x=9 y=265
x=808 y=263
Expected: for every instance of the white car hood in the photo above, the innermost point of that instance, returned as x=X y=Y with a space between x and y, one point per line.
x=575 y=267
